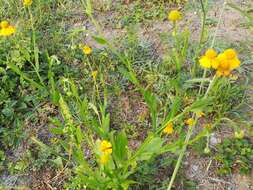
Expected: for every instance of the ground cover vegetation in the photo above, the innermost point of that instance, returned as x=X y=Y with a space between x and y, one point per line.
x=94 y=111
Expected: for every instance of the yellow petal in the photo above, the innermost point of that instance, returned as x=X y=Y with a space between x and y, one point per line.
x=219 y=73
x=207 y=126
x=27 y=2
x=174 y=15
x=7 y=31
x=200 y=114
x=215 y=63
x=4 y=24
x=230 y=53
x=234 y=63
x=87 y=50
x=205 y=62
x=168 y=129
x=211 y=53
x=94 y=74
x=104 y=159
x=226 y=72
x=105 y=147
x=190 y=122
x=224 y=64
x=221 y=57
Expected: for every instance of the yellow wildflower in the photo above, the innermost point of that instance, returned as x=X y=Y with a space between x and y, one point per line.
x=104 y=158
x=6 y=29
x=190 y=122
x=207 y=126
x=209 y=59
x=200 y=114
x=27 y=3
x=227 y=61
x=94 y=75
x=230 y=53
x=168 y=129
x=86 y=50
x=4 y=24
x=105 y=147
x=239 y=134
x=175 y=15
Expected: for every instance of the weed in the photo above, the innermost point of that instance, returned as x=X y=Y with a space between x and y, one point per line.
x=235 y=154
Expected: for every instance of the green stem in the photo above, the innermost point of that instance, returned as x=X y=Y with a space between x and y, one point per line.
x=35 y=49
x=187 y=139
x=95 y=82
x=201 y=36
x=210 y=85
x=203 y=24
x=180 y=158
x=202 y=82
x=218 y=24
x=177 y=51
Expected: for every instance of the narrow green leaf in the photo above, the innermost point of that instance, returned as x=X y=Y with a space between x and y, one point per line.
x=100 y=40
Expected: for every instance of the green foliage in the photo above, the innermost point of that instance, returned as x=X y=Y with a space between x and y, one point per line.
x=226 y=96
x=43 y=62
x=235 y=154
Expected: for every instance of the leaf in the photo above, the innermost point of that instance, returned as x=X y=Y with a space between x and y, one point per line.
x=129 y=75
x=172 y=147
x=65 y=111
x=174 y=108
x=198 y=80
x=74 y=90
x=151 y=100
x=201 y=104
x=125 y=184
x=190 y=83
x=56 y=130
x=58 y=162
x=120 y=146
x=150 y=146
x=24 y=76
x=100 y=40
x=88 y=8
x=92 y=106
x=106 y=123
x=79 y=135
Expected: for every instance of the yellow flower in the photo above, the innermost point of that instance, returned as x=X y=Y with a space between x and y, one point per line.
x=209 y=59
x=239 y=134
x=6 y=29
x=86 y=50
x=104 y=158
x=94 y=74
x=230 y=53
x=227 y=61
x=190 y=122
x=207 y=126
x=105 y=147
x=200 y=114
x=27 y=3
x=168 y=129
x=174 y=15
x=4 y=24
